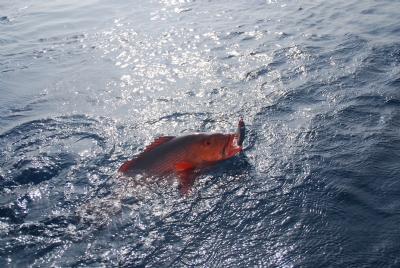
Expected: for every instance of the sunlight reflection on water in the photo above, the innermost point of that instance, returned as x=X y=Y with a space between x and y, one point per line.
x=86 y=86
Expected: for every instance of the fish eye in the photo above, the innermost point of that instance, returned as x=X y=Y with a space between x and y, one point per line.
x=207 y=142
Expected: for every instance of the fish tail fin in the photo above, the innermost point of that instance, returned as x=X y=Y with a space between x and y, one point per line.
x=124 y=168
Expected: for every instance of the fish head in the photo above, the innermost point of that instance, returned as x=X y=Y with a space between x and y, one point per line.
x=212 y=147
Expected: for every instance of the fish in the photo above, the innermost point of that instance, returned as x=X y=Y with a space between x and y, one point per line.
x=182 y=153
x=187 y=156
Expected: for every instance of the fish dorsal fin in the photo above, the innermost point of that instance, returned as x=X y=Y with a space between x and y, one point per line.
x=157 y=142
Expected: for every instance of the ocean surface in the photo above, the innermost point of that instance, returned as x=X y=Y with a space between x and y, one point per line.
x=86 y=85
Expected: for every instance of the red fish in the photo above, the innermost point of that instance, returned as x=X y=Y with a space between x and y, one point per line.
x=182 y=153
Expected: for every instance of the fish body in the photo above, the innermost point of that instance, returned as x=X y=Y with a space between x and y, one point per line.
x=182 y=153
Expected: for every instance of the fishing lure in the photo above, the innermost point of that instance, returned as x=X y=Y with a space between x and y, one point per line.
x=240 y=132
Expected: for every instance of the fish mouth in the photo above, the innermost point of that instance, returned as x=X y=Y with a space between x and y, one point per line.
x=231 y=148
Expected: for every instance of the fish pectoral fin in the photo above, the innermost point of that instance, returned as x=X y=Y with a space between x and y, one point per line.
x=185 y=172
x=186 y=183
x=182 y=166
x=186 y=180
x=187 y=176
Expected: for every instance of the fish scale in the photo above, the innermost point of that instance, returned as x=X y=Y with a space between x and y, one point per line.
x=160 y=159
x=162 y=163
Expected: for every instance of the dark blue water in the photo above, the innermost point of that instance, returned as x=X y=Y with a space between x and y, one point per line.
x=86 y=85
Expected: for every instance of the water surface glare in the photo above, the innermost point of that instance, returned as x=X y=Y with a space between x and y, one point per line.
x=86 y=85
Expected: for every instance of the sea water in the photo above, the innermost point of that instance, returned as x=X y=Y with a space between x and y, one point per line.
x=86 y=85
